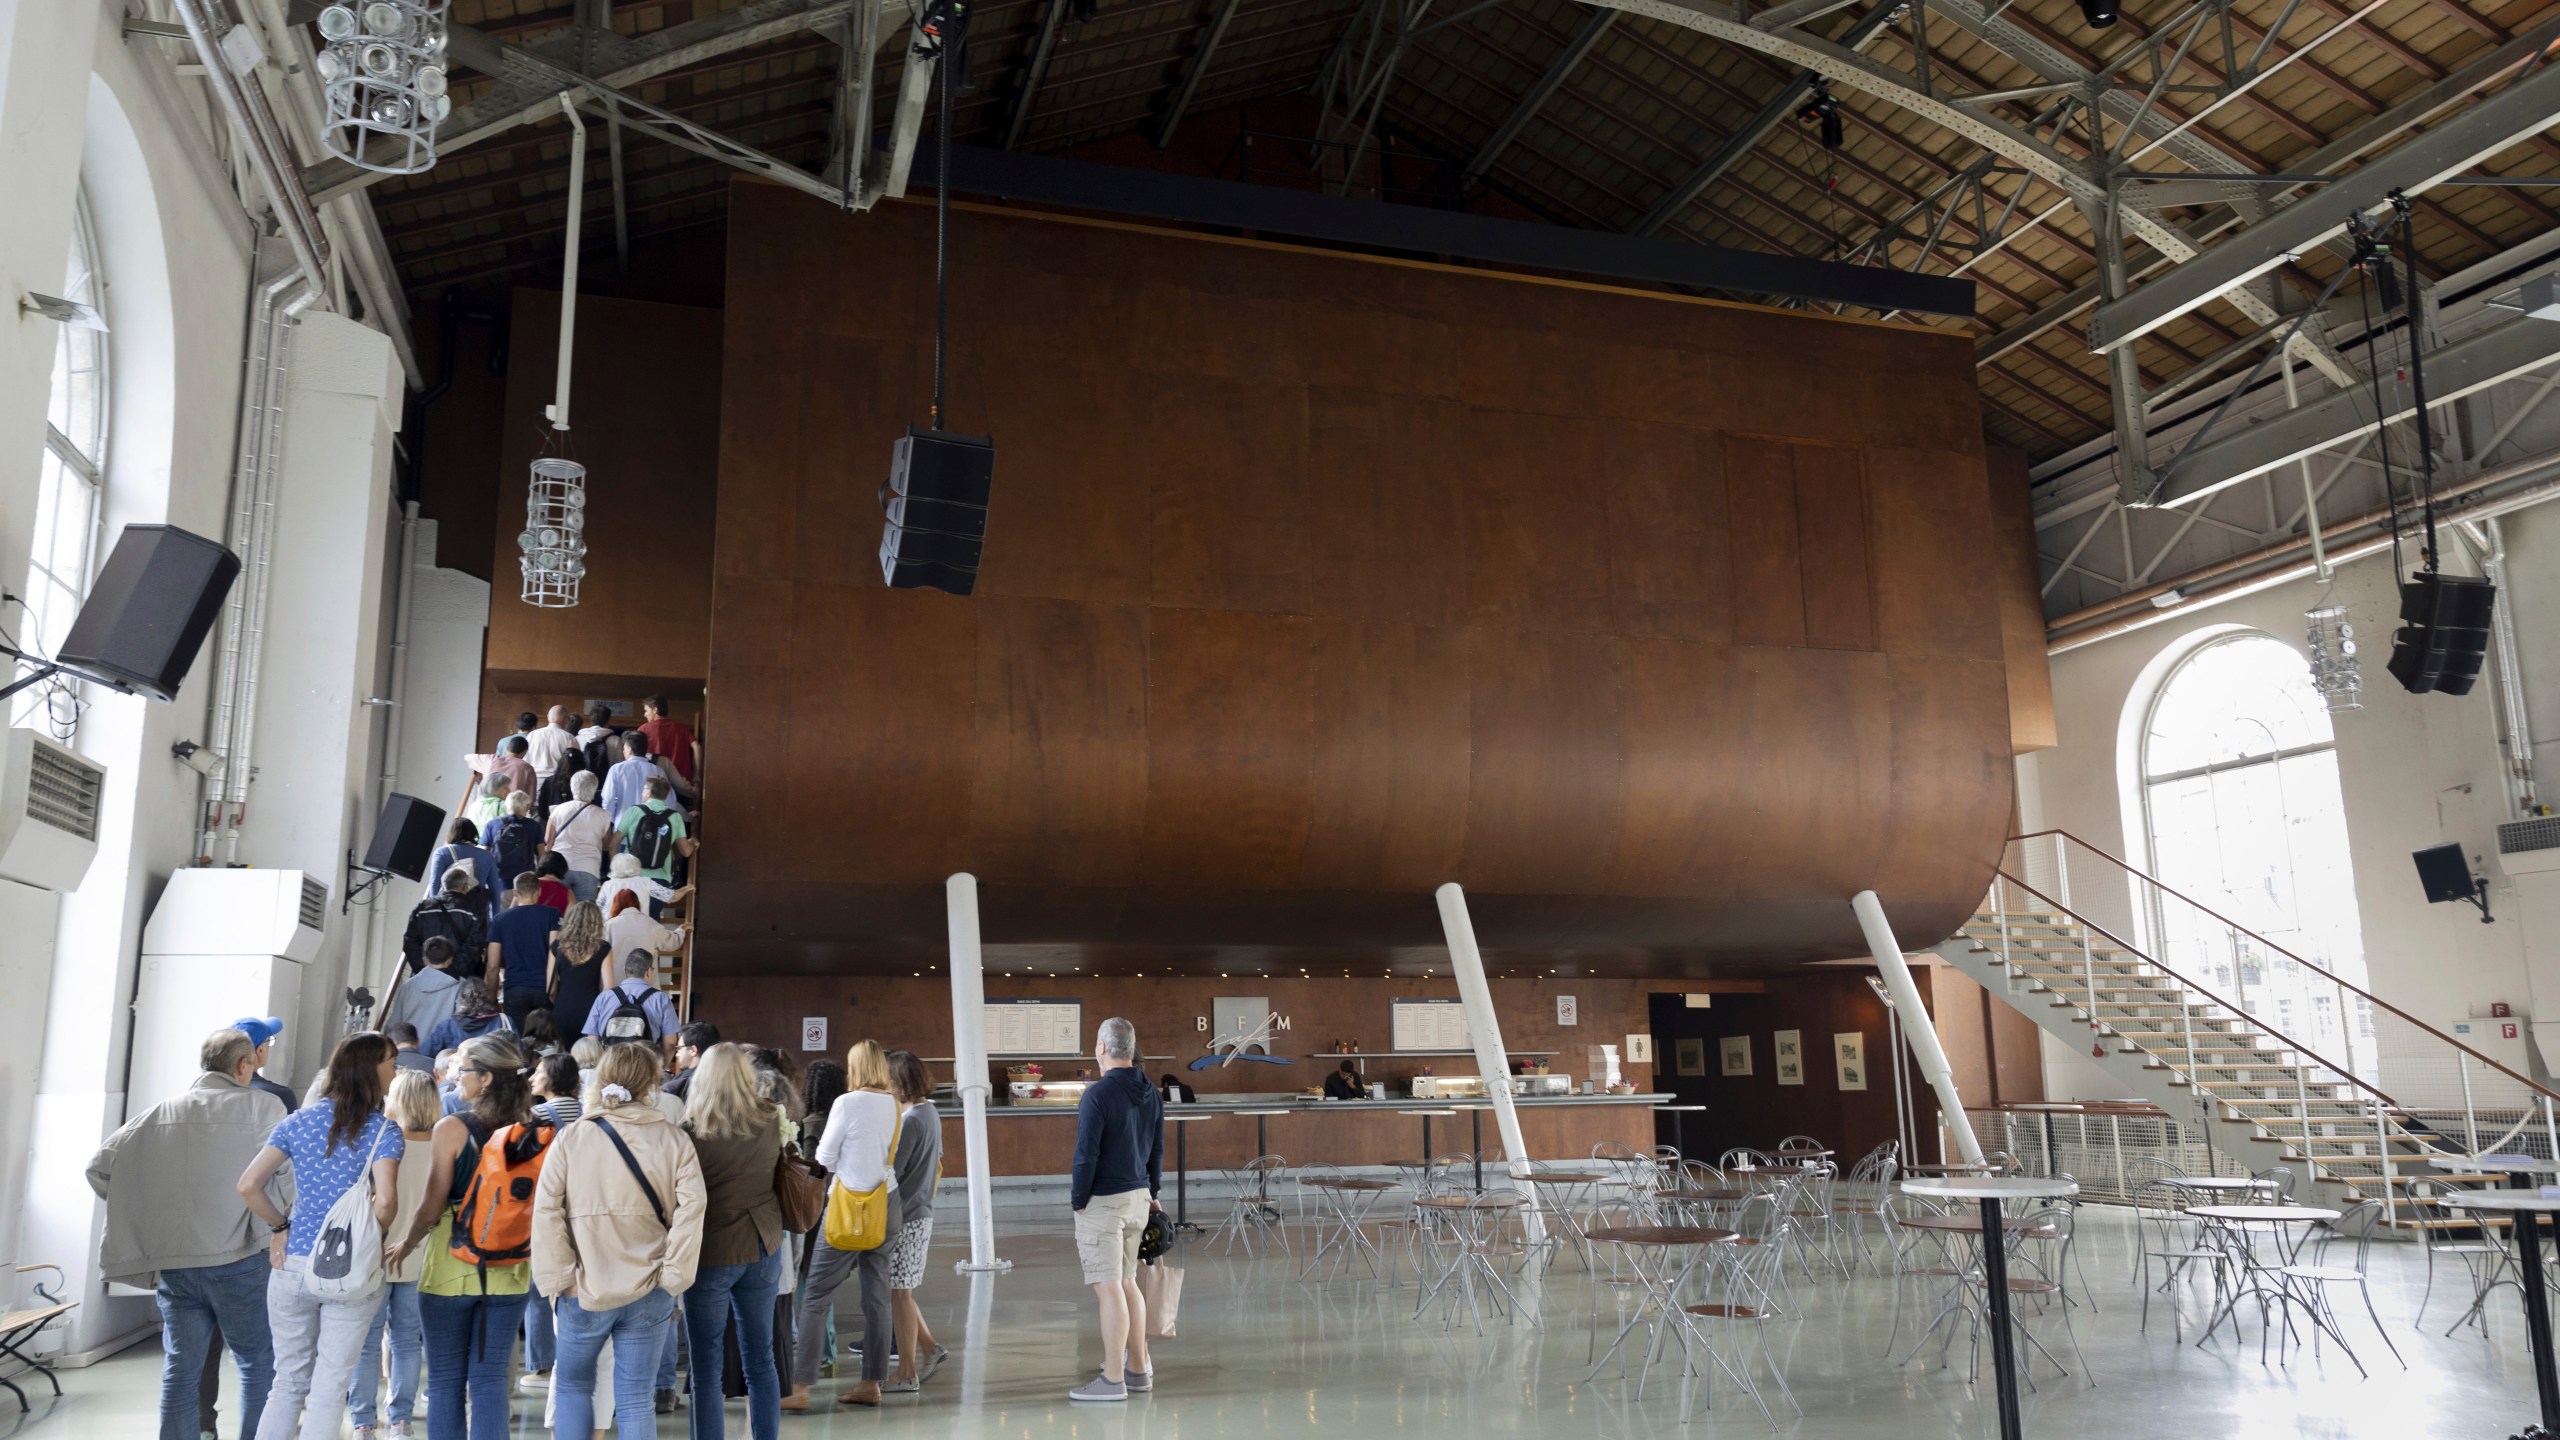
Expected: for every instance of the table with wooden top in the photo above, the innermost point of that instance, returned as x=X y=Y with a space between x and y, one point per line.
x=1661 y=1258
x=1349 y=1198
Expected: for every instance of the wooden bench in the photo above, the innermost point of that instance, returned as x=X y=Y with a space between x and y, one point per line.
x=19 y=1328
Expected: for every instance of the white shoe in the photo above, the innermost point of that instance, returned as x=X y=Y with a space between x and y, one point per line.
x=535 y=1380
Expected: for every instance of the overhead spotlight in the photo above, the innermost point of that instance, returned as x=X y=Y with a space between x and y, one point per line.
x=382 y=74
x=1824 y=110
x=2335 y=672
x=2099 y=13
x=196 y=757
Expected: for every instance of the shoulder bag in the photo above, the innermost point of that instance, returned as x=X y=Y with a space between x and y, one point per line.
x=859 y=1219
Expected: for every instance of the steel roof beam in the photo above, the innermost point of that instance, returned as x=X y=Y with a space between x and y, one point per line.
x=1192 y=71
x=2464 y=367
x=1041 y=49
x=525 y=94
x=2517 y=113
x=1593 y=27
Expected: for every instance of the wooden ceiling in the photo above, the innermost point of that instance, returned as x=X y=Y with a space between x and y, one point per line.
x=1641 y=110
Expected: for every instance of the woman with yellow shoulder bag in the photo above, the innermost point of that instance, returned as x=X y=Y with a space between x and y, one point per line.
x=862 y=1216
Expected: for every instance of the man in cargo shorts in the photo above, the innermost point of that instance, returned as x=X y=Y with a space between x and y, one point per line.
x=1119 y=1168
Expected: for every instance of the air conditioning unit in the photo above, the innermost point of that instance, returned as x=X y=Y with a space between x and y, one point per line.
x=49 y=799
x=221 y=945
x=2529 y=847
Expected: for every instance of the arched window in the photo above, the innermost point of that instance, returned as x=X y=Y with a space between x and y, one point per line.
x=2245 y=818
x=64 y=549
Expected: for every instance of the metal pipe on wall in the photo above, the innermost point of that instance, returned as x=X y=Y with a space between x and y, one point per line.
x=259 y=561
x=1485 y=1028
x=2490 y=542
x=244 y=103
x=1917 y=1028
x=402 y=602
x=969 y=1066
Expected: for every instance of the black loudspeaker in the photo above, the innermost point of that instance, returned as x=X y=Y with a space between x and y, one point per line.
x=404 y=838
x=936 y=501
x=2445 y=873
x=149 y=612
x=2444 y=632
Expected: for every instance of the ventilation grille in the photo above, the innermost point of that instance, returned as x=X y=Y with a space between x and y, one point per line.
x=62 y=791
x=315 y=904
x=2518 y=836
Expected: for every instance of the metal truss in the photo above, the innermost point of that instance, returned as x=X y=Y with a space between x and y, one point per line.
x=1351 y=89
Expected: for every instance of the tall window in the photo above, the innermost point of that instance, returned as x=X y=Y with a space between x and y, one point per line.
x=2240 y=791
x=65 y=542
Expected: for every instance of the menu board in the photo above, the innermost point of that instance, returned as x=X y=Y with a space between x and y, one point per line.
x=1430 y=1025
x=1035 y=1027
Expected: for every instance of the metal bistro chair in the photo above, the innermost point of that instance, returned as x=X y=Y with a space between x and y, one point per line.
x=1484 y=1240
x=2484 y=1255
x=1254 y=1208
x=2141 y=1175
x=2312 y=1280
x=2163 y=1233
x=1815 y=1224
x=1742 y=1299
x=1743 y=1157
x=2039 y=1253
x=1858 y=1200
x=1919 y=1258
x=1441 y=1175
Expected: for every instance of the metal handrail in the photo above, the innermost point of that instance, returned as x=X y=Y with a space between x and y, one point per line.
x=2150 y=880
x=2348 y=1076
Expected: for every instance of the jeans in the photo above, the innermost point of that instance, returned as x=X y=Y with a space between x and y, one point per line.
x=817 y=1301
x=316 y=1342
x=470 y=1339
x=750 y=1287
x=583 y=885
x=538 y=1342
x=522 y=1000
x=399 y=1318
x=637 y=1330
x=669 y=1346
x=193 y=1304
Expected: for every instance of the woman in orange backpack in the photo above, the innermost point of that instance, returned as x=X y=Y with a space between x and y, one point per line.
x=474 y=1233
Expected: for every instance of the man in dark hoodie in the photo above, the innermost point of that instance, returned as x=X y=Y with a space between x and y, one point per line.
x=1119 y=1167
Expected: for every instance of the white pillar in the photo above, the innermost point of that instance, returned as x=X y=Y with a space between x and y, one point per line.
x=1485 y=1028
x=969 y=1067
x=1917 y=1028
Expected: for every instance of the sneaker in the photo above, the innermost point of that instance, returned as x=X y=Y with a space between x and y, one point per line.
x=400 y=1430
x=933 y=1362
x=668 y=1404
x=1141 y=1380
x=1100 y=1387
x=908 y=1386
x=535 y=1380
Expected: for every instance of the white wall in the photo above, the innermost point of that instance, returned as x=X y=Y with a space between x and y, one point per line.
x=2415 y=771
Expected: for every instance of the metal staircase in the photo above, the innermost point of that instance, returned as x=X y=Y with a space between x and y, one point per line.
x=2279 y=1061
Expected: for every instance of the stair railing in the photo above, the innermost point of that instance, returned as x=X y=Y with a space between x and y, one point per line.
x=2446 y=1085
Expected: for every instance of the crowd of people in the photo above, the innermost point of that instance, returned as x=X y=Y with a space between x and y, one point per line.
x=530 y=1180
x=606 y=1222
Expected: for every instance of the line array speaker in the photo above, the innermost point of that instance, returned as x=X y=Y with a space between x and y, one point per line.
x=936 y=502
x=2444 y=632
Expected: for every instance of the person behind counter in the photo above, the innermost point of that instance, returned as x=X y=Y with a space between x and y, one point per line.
x=1342 y=1084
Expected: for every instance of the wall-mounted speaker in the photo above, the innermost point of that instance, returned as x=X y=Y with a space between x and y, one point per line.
x=150 y=610
x=404 y=838
x=2444 y=632
x=936 y=503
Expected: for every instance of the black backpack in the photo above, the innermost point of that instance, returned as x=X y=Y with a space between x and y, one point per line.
x=630 y=1019
x=513 y=841
x=599 y=754
x=653 y=837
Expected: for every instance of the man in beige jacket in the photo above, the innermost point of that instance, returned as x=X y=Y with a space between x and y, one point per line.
x=617 y=1231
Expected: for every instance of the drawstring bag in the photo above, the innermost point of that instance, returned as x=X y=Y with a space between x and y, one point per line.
x=346 y=1260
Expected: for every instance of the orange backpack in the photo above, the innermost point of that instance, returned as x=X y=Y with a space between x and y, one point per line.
x=494 y=1223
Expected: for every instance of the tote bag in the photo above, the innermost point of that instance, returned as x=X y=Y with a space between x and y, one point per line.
x=346 y=1261
x=859 y=1219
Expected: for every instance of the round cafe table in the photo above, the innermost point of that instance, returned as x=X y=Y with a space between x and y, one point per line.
x=1182 y=1168
x=1990 y=1190
x=2493 y=1165
x=2240 y=1226
x=2527 y=1207
x=1349 y=1198
x=1574 y=1191
x=1661 y=1257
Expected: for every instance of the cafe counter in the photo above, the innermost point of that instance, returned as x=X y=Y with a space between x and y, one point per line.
x=1222 y=1132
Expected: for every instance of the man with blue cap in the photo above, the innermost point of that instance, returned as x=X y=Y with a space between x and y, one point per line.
x=263 y=1033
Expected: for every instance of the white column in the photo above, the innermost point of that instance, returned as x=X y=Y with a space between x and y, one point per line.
x=1917 y=1028
x=1485 y=1028
x=969 y=1067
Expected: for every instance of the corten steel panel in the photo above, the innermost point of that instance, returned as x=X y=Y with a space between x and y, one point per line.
x=1315 y=580
x=1831 y=529
x=1768 y=553
x=2013 y=549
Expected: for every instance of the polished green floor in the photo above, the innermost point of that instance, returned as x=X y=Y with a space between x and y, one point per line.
x=1262 y=1354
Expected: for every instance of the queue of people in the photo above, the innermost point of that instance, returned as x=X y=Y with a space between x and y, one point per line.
x=407 y=1225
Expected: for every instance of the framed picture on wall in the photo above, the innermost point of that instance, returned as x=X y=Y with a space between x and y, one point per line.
x=1689 y=1057
x=1850 y=1050
x=1790 y=1056
x=1735 y=1053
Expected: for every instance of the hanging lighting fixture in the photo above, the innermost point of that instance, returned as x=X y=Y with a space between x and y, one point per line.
x=554 y=540
x=2334 y=671
x=381 y=67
